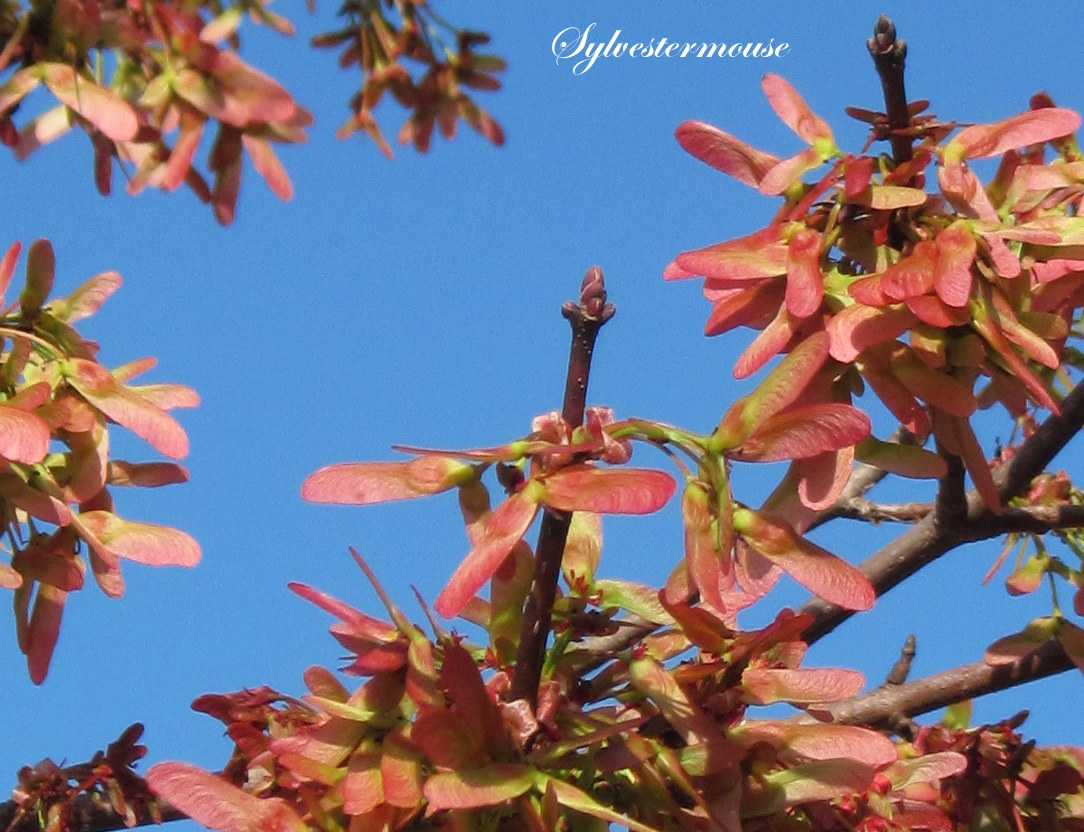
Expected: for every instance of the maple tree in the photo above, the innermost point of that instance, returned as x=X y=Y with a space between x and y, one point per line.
x=563 y=700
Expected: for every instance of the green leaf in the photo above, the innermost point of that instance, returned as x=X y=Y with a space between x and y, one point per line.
x=580 y=801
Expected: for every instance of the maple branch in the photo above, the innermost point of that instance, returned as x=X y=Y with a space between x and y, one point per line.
x=928 y=539
x=889 y=704
x=586 y=318
x=889 y=56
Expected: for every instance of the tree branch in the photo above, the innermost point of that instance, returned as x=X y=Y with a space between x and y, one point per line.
x=586 y=318
x=888 y=704
x=927 y=540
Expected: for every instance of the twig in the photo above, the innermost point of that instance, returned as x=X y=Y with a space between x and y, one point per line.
x=883 y=707
x=902 y=668
x=858 y=508
x=889 y=56
x=586 y=318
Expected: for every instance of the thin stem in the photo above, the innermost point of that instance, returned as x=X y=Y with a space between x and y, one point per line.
x=586 y=318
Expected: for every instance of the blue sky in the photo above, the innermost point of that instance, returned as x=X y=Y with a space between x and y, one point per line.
x=417 y=302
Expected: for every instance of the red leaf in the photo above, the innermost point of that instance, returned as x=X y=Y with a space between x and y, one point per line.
x=725 y=152
x=97 y=385
x=691 y=723
x=267 y=164
x=816 y=569
x=764 y=685
x=793 y=110
x=88 y=298
x=707 y=556
x=141 y=542
x=607 y=490
x=981 y=140
x=789 y=171
x=857 y=327
x=926 y=769
x=805 y=432
x=40 y=272
x=777 y=390
x=101 y=107
x=146 y=474
x=7 y=267
x=768 y=344
x=504 y=527
x=858 y=171
x=363 y=786
x=44 y=630
x=751 y=306
x=946 y=392
x=24 y=437
x=184 y=149
x=816 y=741
x=805 y=286
x=491 y=785
x=365 y=483
x=952 y=273
x=356 y=622
x=913 y=275
x=822 y=478
x=463 y=682
x=213 y=802
x=758 y=255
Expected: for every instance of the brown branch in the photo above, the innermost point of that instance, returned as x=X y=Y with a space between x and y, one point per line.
x=902 y=668
x=586 y=318
x=950 y=506
x=927 y=540
x=889 y=56
x=887 y=705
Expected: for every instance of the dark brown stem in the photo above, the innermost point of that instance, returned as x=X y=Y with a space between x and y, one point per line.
x=888 y=56
x=586 y=318
x=883 y=707
x=90 y=813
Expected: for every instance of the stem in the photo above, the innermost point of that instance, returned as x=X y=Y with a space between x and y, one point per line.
x=586 y=318
x=885 y=706
x=889 y=56
x=91 y=813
